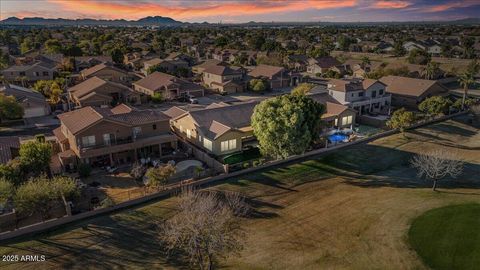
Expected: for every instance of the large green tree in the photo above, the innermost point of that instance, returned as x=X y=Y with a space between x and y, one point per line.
x=401 y=119
x=35 y=156
x=286 y=125
x=435 y=105
x=10 y=108
x=158 y=176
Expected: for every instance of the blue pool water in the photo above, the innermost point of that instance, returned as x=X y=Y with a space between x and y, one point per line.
x=337 y=137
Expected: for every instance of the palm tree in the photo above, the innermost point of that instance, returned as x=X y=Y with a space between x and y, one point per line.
x=430 y=70
x=465 y=80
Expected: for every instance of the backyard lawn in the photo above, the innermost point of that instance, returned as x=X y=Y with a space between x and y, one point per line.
x=447 y=237
x=348 y=210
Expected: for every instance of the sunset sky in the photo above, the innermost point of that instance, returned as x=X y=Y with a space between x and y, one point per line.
x=245 y=10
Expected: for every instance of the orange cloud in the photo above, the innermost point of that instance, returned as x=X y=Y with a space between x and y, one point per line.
x=447 y=6
x=391 y=4
x=135 y=10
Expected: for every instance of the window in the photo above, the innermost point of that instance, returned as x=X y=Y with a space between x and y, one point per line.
x=189 y=133
x=200 y=138
x=22 y=73
x=360 y=94
x=374 y=94
x=107 y=139
x=136 y=131
x=36 y=74
x=228 y=145
x=180 y=128
x=88 y=141
x=207 y=144
x=45 y=73
x=380 y=92
x=154 y=126
x=347 y=120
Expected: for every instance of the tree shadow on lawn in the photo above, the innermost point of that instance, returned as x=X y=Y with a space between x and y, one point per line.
x=109 y=242
x=452 y=129
x=397 y=172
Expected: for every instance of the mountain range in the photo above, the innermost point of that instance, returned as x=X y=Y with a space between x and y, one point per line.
x=166 y=21
x=147 y=21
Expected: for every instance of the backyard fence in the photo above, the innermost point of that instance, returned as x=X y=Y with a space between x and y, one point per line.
x=139 y=196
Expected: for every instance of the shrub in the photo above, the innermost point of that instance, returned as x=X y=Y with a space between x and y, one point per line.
x=157 y=97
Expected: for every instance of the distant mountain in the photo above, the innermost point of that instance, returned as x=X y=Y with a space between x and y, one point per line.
x=148 y=21
x=166 y=21
x=468 y=21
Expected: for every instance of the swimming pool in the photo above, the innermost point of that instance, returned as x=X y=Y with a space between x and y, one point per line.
x=337 y=137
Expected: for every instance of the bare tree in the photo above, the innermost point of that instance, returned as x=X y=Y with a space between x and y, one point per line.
x=437 y=164
x=206 y=226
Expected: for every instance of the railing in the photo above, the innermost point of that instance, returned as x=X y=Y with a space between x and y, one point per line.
x=120 y=141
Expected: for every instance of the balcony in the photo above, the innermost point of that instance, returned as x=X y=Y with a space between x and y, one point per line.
x=125 y=144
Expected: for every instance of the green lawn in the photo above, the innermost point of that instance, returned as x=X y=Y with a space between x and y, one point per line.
x=245 y=155
x=348 y=210
x=448 y=237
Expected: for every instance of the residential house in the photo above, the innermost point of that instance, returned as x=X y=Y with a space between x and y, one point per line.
x=321 y=65
x=84 y=62
x=33 y=72
x=277 y=77
x=34 y=103
x=198 y=69
x=224 y=79
x=9 y=148
x=411 y=45
x=364 y=96
x=97 y=92
x=181 y=57
x=106 y=71
x=165 y=65
x=336 y=115
x=169 y=86
x=297 y=62
x=220 y=130
x=223 y=55
x=409 y=92
x=112 y=136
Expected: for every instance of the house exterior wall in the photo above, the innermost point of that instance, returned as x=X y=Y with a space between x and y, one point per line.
x=181 y=125
x=35 y=73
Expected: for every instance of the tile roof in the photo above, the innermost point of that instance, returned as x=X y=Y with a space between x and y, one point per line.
x=22 y=93
x=80 y=119
x=409 y=86
x=90 y=85
x=90 y=71
x=265 y=71
x=221 y=70
x=6 y=144
x=326 y=62
x=214 y=122
x=157 y=80
x=174 y=112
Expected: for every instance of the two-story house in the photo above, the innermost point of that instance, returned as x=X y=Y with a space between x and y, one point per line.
x=364 y=96
x=224 y=79
x=98 y=92
x=277 y=77
x=169 y=66
x=219 y=130
x=104 y=136
x=33 y=72
x=321 y=65
x=169 y=86
x=106 y=71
